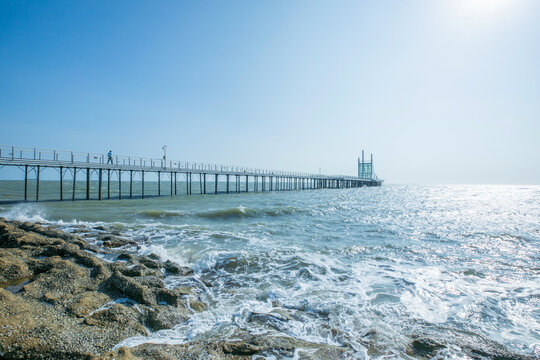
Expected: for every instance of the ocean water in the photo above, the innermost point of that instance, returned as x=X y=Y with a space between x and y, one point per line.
x=372 y=269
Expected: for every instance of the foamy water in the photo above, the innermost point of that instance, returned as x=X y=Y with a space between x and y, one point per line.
x=371 y=269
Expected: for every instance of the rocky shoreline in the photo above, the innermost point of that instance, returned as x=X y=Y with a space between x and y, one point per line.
x=78 y=295
x=60 y=299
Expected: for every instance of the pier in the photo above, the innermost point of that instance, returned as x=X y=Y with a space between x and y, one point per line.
x=117 y=170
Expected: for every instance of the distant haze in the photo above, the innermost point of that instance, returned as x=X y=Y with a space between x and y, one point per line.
x=440 y=91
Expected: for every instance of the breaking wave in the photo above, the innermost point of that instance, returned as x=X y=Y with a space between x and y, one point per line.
x=222 y=214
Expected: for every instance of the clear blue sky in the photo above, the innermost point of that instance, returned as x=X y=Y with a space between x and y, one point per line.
x=440 y=91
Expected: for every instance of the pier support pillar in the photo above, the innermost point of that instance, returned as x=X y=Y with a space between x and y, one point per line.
x=87 y=183
x=159 y=183
x=142 y=178
x=227 y=183
x=74 y=182
x=130 y=184
x=25 y=182
x=37 y=183
x=204 y=183
x=119 y=184
x=61 y=183
x=216 y=184
x=247 y=182
x=100 y=183
x=108 y=183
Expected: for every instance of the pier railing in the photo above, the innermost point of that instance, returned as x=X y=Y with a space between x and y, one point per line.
x=59 y=157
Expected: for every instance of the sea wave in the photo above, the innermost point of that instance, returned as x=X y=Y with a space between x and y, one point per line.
x=237 y=212
x=156 y=214
x=244 y=212
x=26 y=212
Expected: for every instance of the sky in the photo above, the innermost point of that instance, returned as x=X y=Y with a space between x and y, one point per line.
x=440 y=91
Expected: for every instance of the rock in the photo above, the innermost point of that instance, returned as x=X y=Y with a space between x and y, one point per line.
x=240 y=348
x=151 y=281
x=32 y=329
x=12 y=266
x=175 y=269
x=424 y=347
x=166 y=296
x=120 y=315
x=245 y=347
x=87 y=303
x=164 y=317
x=128 y=287
x=63 y=302
x=136 y=270
x=273 y=319
x=473 y=345
x=49 y=232
x=284 y=314
x=183 y=291
x=115 y=241
x=127 y=257
x=151 y=263
x=197 y=305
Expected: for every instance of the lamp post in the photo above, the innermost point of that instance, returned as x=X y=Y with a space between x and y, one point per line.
x=164 y=156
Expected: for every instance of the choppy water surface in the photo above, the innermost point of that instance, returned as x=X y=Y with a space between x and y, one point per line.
x=370 y=268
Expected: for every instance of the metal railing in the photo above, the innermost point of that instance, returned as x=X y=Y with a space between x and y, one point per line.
x=10 y=152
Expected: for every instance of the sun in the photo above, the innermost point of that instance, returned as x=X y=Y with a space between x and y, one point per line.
x=483 y=8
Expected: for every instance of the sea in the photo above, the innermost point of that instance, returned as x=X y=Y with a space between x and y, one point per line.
x=389 y=272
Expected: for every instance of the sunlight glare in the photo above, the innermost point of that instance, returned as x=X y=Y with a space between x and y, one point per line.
x=483 y=8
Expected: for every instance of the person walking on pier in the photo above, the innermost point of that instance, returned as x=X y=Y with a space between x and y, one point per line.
x=109 y=157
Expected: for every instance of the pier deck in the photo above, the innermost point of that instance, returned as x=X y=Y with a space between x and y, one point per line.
x=34 y=160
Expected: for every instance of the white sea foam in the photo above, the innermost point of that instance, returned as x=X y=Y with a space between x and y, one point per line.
x=359 y=269
x=26 y=212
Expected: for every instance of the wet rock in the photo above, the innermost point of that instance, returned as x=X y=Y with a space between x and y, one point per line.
x=424 y=347
x=133 y=271
x=473 y=345
x=245 y=346
x=12 y=267
x=114 y=241
x=126 y=257
x=155 y=279
x=87 y=303
x=166 y=296
x=151 y=263
x=273 y=319
x=59 y=282
x=284 y=314
x=62 y=302
x=129 y=287
x=197 y=305
x=49 y=232
x=165 y=318
x=240 y=348
x=117 y=314
x=175 y=269
x=32 y=330
x=183 y=291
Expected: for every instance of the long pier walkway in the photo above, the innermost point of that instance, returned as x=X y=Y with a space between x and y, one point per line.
x=116 y=168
